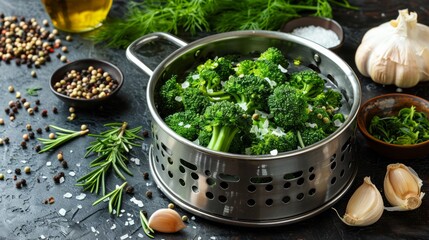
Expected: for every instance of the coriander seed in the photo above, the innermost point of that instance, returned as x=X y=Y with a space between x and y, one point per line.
x=170 y=205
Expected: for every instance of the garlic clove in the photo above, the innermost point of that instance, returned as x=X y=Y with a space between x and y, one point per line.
x=166 y=220
x=402 y=188
x=365 y=206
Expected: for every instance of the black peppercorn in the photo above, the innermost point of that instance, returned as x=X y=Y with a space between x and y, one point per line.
x=37 y=148
x=145 y=133
x=17 y=171
x=7 y=110
x=18 y=184
x=36 y=108
x=37 y=102
x=149 y=194
x=23 y=182
x=47 y=129
x=23 y=144
x=31 y=135
x=6 y=140
x=146 y=175
x=129 y=189
x=44 y=113
x=64 y=164
x=54 y=110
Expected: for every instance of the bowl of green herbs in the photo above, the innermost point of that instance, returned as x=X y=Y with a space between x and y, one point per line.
x=396 y=125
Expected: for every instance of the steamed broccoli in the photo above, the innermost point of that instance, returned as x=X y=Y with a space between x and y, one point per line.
x=226 y=119
x=308 y=136
x=321 y=118
x=170 y=96
x=329 y=98
x=269 y=138
x=249 y=92
x=222 y=66
x=275 y=56
x=308 y=81
x=194 y=101
x=186 y=124
x=288 y=106
x=270 y=70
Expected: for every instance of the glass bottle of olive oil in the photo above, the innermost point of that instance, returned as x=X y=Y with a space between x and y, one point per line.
x=77 y=15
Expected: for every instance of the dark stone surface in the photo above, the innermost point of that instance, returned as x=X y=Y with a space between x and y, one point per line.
x=25 y=216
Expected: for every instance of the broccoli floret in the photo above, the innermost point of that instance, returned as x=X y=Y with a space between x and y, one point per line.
x=275 y=140
x=308 y=81
x=308 y=135
x=270 y=70
x=245 y=67
x=275 y=56
x=288 y=106
x=186 y=124
x=249 y=92
x=222 y=66
x=170 y=96
x=320 y=117
x=330 y=98
x=226 y=119
x=194 y=101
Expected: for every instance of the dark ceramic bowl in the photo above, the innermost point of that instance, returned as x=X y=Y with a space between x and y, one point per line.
x=79 y=65
x=389 y=105
x=325 y=23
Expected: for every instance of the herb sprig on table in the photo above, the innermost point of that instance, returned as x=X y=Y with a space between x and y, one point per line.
x=407 y=127
x=207 y=15
x=111 y=147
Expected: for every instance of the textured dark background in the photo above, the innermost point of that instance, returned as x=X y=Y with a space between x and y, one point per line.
x=24 y=216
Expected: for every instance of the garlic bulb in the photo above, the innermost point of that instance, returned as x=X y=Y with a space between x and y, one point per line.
x=166 y=220
x=365 y=206
x=402 y=188
x=395 y=52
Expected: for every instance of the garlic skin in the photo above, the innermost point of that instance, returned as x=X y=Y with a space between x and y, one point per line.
x=395 y=52
x=365 y=206
x=166 y=220
x=402 y=188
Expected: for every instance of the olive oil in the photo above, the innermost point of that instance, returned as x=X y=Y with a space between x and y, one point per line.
x=77 y=15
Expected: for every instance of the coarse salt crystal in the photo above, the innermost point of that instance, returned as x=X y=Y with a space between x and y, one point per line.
x=137 y=202
x=178 y=98
x=77 y=164
x=185 y=84
x=42 y=237
x=23 y=161
x=81 y=196
x=68 y=195
x=140 y=235
x=62 y=179
x=71 y=151
x=320 y=35
x=135 y=160
x=274 y=152
x=113 y=226
x=79 y=206
x=72 y=173
x=62 y=212
x=9 y=171
x=48 y=164
x=131 y=222
x=124 y=237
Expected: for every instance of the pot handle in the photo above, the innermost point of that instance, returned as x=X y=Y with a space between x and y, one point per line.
x=131 y=52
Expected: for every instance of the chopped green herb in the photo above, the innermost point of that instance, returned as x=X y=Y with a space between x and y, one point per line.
x=33 y=91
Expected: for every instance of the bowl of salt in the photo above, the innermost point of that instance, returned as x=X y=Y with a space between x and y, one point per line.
x=324 y=31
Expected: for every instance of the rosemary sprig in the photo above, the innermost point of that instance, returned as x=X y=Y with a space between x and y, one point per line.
x=63 y=136
x=115 y=199
x=145 y=225
x=111 y=147
x=33 y=91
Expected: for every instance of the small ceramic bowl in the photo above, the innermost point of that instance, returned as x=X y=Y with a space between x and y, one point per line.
x=79 y=65
x=309 y=21
x=389 y=105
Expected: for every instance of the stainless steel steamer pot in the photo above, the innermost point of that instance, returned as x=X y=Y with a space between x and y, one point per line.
x=254 y=191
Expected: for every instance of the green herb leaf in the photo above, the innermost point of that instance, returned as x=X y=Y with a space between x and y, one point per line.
x=115 y=199
x=145 y=225
x=33 y=91
x=110 y=147
x=63 y=136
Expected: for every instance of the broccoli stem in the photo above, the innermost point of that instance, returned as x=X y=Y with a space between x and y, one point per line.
x=301 y=143
x=222 y=138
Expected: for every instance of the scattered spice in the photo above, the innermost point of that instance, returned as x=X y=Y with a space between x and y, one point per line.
x=149 y=194
x=25 y=137
x=27 y=170
x=39 y=130
x=1 y=121
x=30 y=111
x=1 y=176
x=64 y=164
x=55 y=110
x=145 y=175
x=50 y=200
x=24 y=145
x=58 y=176
x=6 y=140
x=171 y=205
x=129 y=189
x=17 y=171
x=185 y=218
x=33 y=73
x=44 y=113
x=28 y=126
x=31 y=135
x=37 y=102
x=18 y=95
x=52 y=136
x=37 y=148
x=145 y=133
x=60 y=156
x=11 y=89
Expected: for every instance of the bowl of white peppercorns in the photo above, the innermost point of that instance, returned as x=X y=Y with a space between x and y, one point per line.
x=86 y=83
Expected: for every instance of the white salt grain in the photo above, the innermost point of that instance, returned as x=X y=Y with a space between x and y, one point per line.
x=140 y=235
x=320 y=35
x=72 y=173
x=42 y=237
x=48 y=164
x=62 y=212
x=62 y=179
x=113 y=226
x=81 y=196
x=79 y=206
x=68 y=195
x=124 y=237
